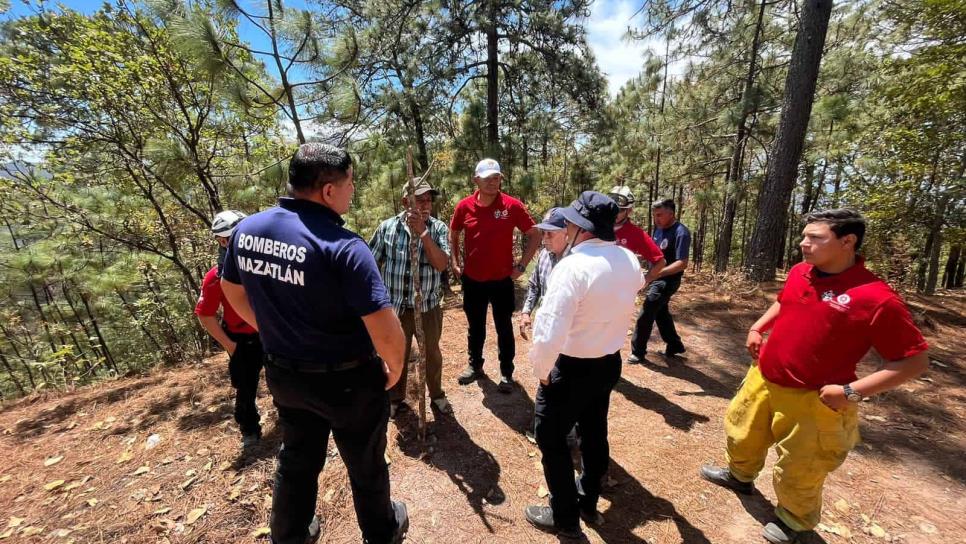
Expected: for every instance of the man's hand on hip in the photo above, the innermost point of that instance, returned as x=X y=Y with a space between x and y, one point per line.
x=834 y=397
x=753 y=343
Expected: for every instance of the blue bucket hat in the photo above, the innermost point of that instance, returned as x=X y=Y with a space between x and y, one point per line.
x=595 y=213
x=553 y=220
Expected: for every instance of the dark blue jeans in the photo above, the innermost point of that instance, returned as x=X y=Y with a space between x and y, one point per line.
x=656 y=308
x=579 y=393
x=477 y=295
x=244 y=369
x=353 y=406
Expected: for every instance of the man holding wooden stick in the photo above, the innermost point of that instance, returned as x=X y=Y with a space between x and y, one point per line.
x=390 y=247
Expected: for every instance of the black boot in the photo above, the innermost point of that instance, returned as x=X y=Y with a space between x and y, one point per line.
x=402 y=521
x=777 y=532
x=470 y=375
x=677 y=349
x=541 y=517
x=723 y=477
x=315 y=530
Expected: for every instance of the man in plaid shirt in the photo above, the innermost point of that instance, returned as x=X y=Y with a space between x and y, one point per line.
x=390 y=247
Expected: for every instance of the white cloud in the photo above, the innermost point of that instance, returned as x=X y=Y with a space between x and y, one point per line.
x=619 y=58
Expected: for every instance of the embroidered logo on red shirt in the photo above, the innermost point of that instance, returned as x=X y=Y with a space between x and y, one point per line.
x=501 y=214
x=841 y=302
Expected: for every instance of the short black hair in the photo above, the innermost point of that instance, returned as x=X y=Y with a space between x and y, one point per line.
x=841 y=221
x=316 y=164
x=667 y=204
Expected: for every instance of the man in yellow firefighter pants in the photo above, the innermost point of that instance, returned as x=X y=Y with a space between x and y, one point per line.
x=803 y=393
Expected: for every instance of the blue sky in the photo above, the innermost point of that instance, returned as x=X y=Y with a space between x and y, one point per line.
x=618 y=58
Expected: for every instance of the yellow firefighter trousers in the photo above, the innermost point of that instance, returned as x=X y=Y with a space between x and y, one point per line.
x=811 y=440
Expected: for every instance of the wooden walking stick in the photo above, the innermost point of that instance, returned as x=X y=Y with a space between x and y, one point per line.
x=418 y=290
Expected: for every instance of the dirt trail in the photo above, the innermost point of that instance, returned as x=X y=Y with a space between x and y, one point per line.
x=905 y=483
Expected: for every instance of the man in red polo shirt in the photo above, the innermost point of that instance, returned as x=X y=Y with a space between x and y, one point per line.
x=237 y=337
x=631 y=236
x=803 y=394
x=488 y=218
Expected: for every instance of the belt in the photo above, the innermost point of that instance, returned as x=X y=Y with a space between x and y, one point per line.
x=241 y=336
x=315 y=367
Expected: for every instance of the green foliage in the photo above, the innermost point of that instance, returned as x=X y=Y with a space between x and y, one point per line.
x=123 y=131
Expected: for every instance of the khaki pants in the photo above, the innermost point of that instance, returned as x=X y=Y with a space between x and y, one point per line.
x=811 y=440
x=432 y=330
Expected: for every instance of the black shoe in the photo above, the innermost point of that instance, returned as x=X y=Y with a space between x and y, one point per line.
x=588 y=512
x=671 y=351
x=395 y=407
x=541 y=517
x=315 y=530
x=402 y=521
x=251 y=440
x=506 y=384
x=723 y=477
x=592 y=517
x=777 y=532
x=469 y=375
x=635 y=359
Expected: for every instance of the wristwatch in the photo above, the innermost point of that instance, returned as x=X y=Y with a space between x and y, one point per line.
x=851 y=394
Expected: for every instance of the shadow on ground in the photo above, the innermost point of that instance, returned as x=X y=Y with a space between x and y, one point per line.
x=472 y=469
x=673 y=415
x=515 y=409
x=633 y=505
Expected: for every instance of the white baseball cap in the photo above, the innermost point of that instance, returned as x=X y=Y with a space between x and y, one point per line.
x=486 y=168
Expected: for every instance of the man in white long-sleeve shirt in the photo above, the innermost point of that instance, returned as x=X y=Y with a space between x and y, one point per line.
x=577 y=336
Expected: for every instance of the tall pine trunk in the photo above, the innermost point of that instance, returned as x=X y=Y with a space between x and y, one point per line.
x=492 y=81
x=766 y=241
x=936 y=235
x=952 y=265
x=733 y=191
x=656 y=191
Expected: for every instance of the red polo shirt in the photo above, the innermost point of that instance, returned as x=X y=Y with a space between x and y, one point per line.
x=212 y=297
x=827 y=324
x=635 y=239
x=488 y=242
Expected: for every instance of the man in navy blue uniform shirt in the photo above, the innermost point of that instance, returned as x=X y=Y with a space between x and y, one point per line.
x=674 y=239
x=313 y=291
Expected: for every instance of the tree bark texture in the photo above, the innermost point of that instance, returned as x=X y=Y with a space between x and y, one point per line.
x=735 y=171
x=786 y=151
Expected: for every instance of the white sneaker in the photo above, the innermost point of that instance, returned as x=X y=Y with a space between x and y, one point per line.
x=443 y=405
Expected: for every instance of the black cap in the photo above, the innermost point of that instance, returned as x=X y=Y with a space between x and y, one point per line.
x=595 y=213
x=554 y=220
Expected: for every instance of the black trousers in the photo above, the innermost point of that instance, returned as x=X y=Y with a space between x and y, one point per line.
x=656 y=308
x=244 y=369
x=579 y=393
x=477 y=295
x=354 y=406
